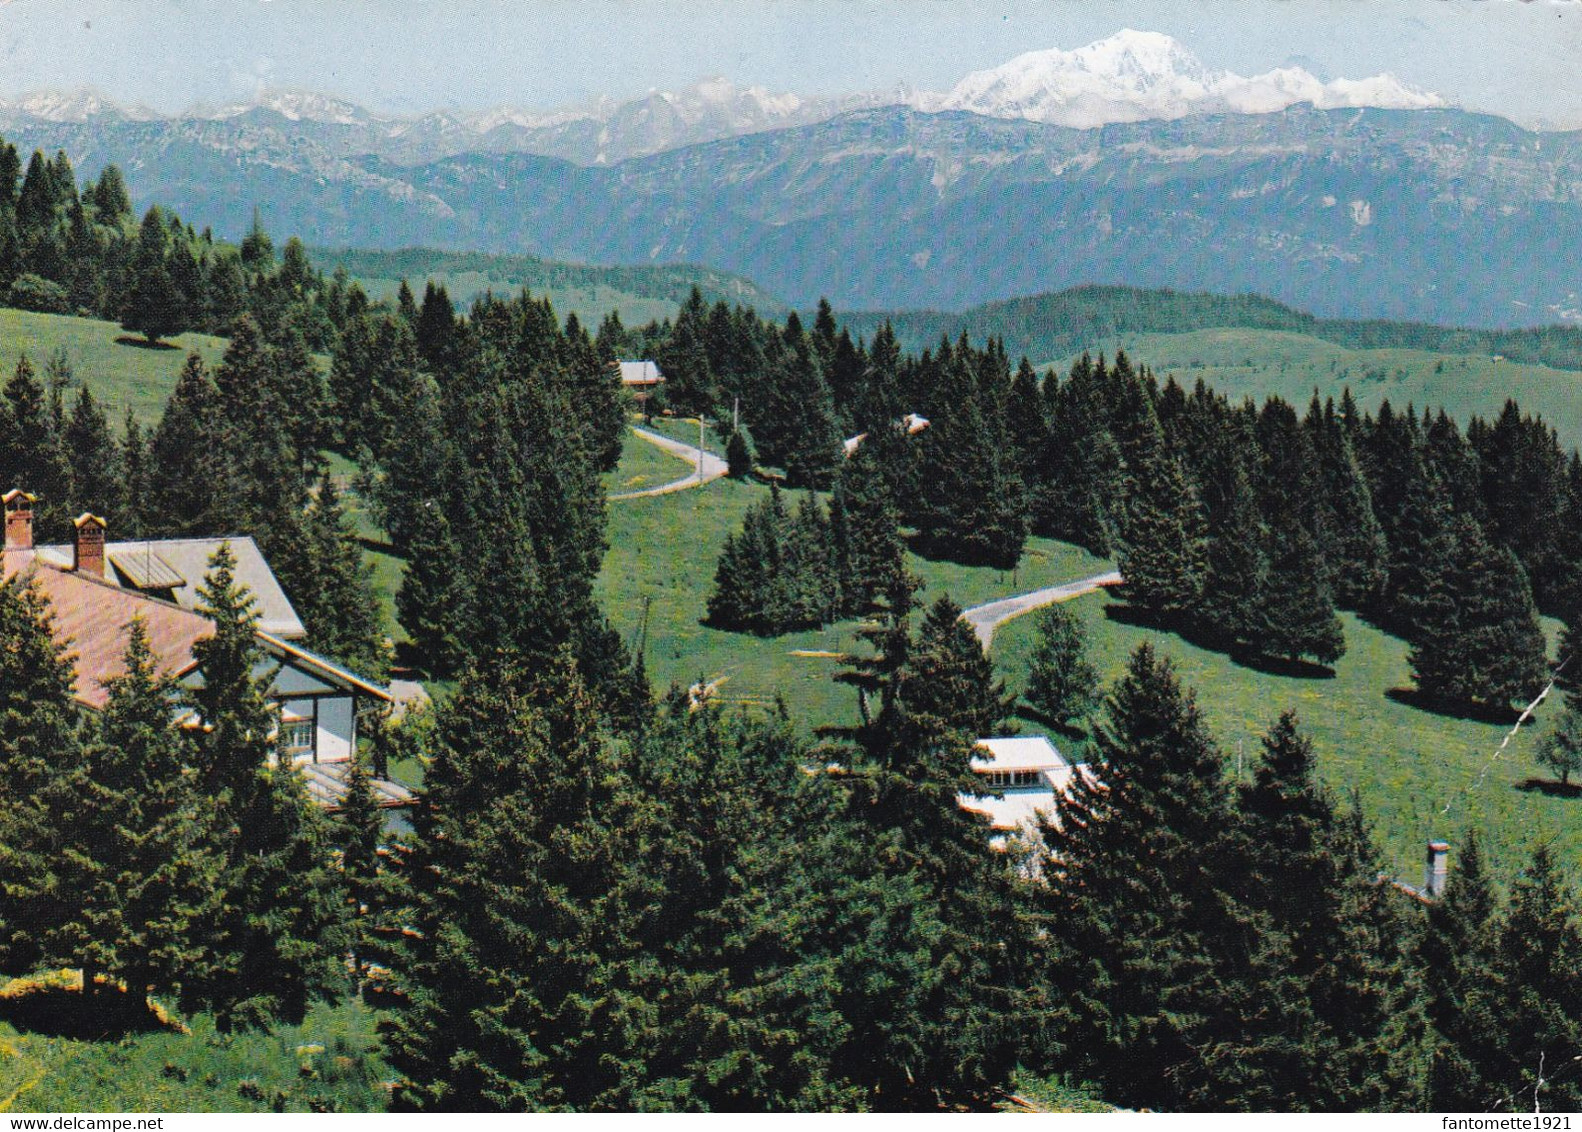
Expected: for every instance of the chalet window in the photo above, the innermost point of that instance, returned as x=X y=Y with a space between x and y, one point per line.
x=297 y=737
x=1003 y=778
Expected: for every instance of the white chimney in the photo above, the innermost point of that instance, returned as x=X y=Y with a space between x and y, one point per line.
x=1436 y=869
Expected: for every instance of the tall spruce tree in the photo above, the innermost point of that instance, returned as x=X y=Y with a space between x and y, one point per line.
x=1312 y=872
x=276 y=941
x=1539 y=971
x=1480 y=641
x=1464 y=1005
x=974 y=503
x=1157 y=971
x=39 y=749
x=932 y=1023
x=525 y=889
x=865 y=528
x=1163 y=549
x=139 y=860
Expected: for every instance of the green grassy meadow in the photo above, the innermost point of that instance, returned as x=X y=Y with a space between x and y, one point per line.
x=1419 y=775
x=1408 y=765
x=121 y=375
x=645 y=465
x=1263 y=363
x=663 y=551
x=330 y=1063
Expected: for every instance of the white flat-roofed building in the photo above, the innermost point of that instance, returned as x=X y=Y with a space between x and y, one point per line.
x=1023 y=778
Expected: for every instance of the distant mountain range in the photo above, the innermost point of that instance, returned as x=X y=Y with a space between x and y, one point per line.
x=1130 y=76
x=1123 y=162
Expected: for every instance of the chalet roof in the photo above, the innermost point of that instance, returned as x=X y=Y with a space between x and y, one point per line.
x=1022 y=752
x=181 y=564
x=326 y=670
x=640 y=373
x=91 y=617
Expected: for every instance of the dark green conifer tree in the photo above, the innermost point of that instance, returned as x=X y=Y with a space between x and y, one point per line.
x=154 y=308
x=336 y=598
x=360 y=832
x=526 y=890
x=1539 y=973
x=1061 y=683
x=1158 y=970
x=973 y=501
x=139 y=862
x=1479 y=641
x=195 y=490
x=796 y=425
x=98 y=477
x=931 y=1024
x=277 y=940
x=1237 y=567
x=1464 y=1005
x=1162 y=539
x=1340 y=981
x=738 y=456
x=689 y=379
x=39 y=749
x=865 y=526
x=33 y=453
x=1354 y=546
x=950 y=678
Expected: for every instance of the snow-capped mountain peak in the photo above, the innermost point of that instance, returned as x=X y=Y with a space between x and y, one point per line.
x=302 y=106
x=1136 y=75
x=81 y=105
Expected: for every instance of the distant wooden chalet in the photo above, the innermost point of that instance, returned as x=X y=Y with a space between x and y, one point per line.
x=643 y=378
x=96 y=588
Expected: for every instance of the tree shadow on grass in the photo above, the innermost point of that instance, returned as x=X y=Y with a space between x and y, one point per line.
x=935 y=549
x=1283 y=666
x=63 y=1011
x=1476 y=713
x=1065 y=730
x=1206 y=639
x=1550 y=788
x=144 y=343
x=378 y=546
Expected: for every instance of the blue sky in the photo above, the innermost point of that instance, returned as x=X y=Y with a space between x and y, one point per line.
x=1510 y=57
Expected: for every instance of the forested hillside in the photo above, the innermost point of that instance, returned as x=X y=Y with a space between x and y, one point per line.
x=1067 y=322
x=621 y=897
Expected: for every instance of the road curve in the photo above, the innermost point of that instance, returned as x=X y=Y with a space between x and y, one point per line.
x=712 y=466
x=986 y=618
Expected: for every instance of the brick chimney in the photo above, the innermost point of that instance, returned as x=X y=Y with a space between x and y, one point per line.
x=87 y=552
x=18 y=519
x=1436 y=869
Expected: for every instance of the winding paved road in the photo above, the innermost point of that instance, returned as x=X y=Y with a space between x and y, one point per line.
x=986 y=618
x=712 y=466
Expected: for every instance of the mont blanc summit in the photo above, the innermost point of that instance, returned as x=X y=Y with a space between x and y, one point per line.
x=1136 y=76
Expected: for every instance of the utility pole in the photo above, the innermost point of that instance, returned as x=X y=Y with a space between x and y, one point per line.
x=701 y=422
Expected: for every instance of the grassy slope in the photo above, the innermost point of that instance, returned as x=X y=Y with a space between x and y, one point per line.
x=1263 y=363
x=201 y=1072
x=645 y=465
x=663 y=549
x=120 y=375
x=1406 y=764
